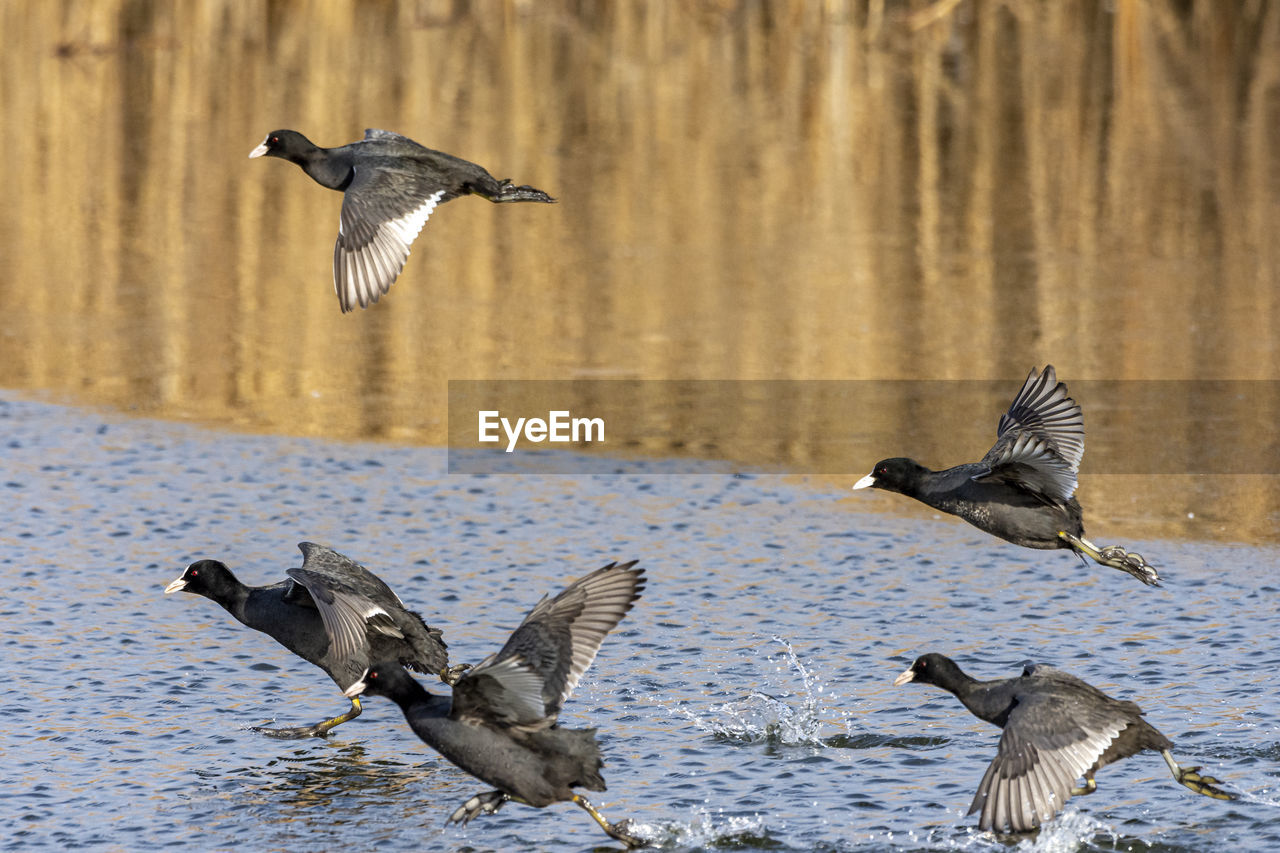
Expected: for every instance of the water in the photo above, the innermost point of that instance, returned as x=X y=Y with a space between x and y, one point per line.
x=746 y=703
x=748 y=191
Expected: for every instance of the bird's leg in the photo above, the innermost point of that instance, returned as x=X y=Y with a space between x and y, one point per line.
x=616 y=830
x=1115 y=557
x=320 y=729
x=1191 y=778
x=451 y=674
x=1088 y=787
x=506 y=192
x=486 y=803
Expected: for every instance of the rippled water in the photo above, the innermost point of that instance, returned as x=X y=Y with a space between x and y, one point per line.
x=746 y=703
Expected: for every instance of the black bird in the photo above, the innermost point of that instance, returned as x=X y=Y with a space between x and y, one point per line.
x=1057 y=729
x=334 y=613
x=501 y=723
x=1023 y=490
x=390 y=185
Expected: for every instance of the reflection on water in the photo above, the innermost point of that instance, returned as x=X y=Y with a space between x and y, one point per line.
x=748 y=191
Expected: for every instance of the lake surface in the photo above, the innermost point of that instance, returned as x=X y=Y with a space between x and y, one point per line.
x=745 y=703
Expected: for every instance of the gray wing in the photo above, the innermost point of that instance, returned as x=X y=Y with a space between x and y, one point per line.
x=357 y=608
x=383 y=211
x=526 y=682
x=374 y=133
x=1044 y=670
x=1048 y=743
x=1040 y=440
x=325 y=561
x=348 y=618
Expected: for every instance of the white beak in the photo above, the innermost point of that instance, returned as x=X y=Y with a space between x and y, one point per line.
x=177 y=585
x=866 y=482
x=259 y=151
x=356 y=689
x=909 y=675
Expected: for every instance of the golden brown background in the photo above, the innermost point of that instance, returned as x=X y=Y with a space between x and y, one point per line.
x=747 y=190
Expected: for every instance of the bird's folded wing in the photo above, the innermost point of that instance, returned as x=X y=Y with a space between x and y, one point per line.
x=348 y=618
x=343 y=570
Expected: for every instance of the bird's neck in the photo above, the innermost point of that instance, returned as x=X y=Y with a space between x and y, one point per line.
x=235 y=598
x=412 y=694
x=327 y=170
x=418 y=703
x=975 y=695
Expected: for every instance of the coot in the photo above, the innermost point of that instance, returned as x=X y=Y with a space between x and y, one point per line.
x=390 y=185
x=1023 y=490
x=501 y=723
x=334 y=613
x=1057 y=729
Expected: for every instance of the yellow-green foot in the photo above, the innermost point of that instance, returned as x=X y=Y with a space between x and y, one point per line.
x=1115 y=557
x=1088 y=788
x=320 y=729
x=1201 y=784
x=620 y=831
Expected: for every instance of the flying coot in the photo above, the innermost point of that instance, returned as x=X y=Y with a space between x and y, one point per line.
x=1023 y=490
x=1057 y=729
x=501 y=723
x=390 y=185
x=332 y=612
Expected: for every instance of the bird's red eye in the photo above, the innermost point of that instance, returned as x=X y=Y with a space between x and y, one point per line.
x=275 y=139
x=194 y=573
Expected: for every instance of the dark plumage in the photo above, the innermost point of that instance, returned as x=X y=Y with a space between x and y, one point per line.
x=1057 y=729
x=1023 y=490
x=333 y=612
x=390 y=185
x=501 y=723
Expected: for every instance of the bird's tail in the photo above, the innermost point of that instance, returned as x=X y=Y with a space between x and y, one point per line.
x=581 y=746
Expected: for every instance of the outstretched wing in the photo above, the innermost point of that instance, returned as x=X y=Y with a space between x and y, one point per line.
x=527 y=681
x=383 y=211
x=1039 y=441
x=1048 y=743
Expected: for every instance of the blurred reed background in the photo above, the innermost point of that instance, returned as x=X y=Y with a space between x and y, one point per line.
x=748 y=190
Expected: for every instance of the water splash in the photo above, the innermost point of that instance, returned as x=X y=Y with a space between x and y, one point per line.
x=1066 y=833
x=707 y=830
x=790 y=717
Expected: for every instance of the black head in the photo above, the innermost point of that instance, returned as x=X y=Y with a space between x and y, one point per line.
x=935 y=669
x=285 y=144
x=387 y=678
x=895 y=475
x=209 y=578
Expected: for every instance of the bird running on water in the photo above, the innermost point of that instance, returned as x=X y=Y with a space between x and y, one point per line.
x=1057 y=729
x=332 y=612
x=501 y=723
